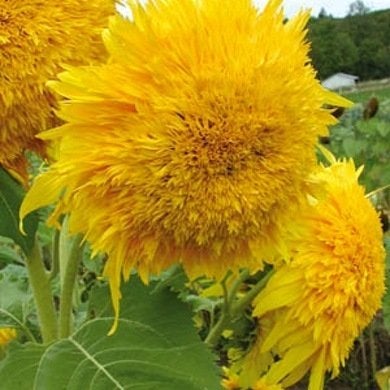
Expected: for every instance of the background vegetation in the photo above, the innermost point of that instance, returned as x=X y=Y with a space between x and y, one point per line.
x=358 y=44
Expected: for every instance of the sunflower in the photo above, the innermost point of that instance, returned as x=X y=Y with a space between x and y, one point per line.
x=6 y=335
x=192 y=143
x=36 y=38
x=332 y=287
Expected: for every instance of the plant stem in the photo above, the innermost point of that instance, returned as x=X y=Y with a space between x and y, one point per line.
x=43 y=297
x=231 y=310
x=224 y=319
x=68 y=284
x=371 y=338
x=237 y=284
x=364 y=360
x=55 y=264
x=247 y=299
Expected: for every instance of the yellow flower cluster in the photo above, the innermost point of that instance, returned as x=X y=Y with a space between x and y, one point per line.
x=7 y=335
x=330 y=291
x=193 y=143
x=36 y=39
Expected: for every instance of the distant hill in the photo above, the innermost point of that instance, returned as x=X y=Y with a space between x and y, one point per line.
x=358 y=44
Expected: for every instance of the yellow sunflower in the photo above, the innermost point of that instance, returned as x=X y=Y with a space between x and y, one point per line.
x=7 y=335
x=36 y=38
x=193 y=142
x=332 y=288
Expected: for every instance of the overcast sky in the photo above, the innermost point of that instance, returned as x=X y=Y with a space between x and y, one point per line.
x=338 y=8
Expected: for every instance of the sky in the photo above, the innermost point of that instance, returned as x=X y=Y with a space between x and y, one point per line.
x=338 y=8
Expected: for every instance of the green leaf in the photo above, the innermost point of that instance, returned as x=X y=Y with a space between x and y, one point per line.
x=11 y=197
x=136 y=356
x=173 y=278
x=18 y=369
x=16 y=301
x=383 y=129
x=149 y=305
x=349 y=145
x=8 y=255
x=154 y=347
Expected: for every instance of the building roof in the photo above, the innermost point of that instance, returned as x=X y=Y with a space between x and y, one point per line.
x=340 y=80
x=342 y=75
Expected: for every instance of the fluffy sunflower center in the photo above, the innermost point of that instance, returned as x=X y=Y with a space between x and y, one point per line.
x=218 y=146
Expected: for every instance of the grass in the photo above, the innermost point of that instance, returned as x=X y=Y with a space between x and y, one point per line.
x=362 y=96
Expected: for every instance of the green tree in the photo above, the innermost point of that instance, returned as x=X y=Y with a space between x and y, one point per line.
x=358 y=8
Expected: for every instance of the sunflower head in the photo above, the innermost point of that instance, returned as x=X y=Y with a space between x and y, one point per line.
x=333 y=287
x=193 y=142
x=36 y=38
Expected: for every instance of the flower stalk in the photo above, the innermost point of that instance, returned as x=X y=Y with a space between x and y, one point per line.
x=68 y=282
x=42 y=293
x=231 y=308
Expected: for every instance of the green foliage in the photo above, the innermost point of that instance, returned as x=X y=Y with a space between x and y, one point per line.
x=357 y=44
x=362 y=96
x=154 y=347
x=11 y=196
x=18 y=370
x=367 y=142
x=16 y=302
x=8 y=253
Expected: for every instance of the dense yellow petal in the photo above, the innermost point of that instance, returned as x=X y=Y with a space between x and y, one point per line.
x=36 y=39
x=336 y=283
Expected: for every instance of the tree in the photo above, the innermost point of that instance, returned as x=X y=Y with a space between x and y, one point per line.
x=358 y=8
x=322 y=14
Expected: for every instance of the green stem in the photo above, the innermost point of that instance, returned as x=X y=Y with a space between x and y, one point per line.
x=364 y=360
x=247 y=299
x=237 y=284
x=43 y=297
x=68 y=284
x=231 y=310
x=224 y=319
x=55 y=255
x=371 y=338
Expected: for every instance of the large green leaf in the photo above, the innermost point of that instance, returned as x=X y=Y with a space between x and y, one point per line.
x=136 y=356
x=151 y=305
x=19 y=368
x=154 y=347
x=11 y=197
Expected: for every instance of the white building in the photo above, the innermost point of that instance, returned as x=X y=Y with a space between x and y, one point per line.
x=340 y=81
